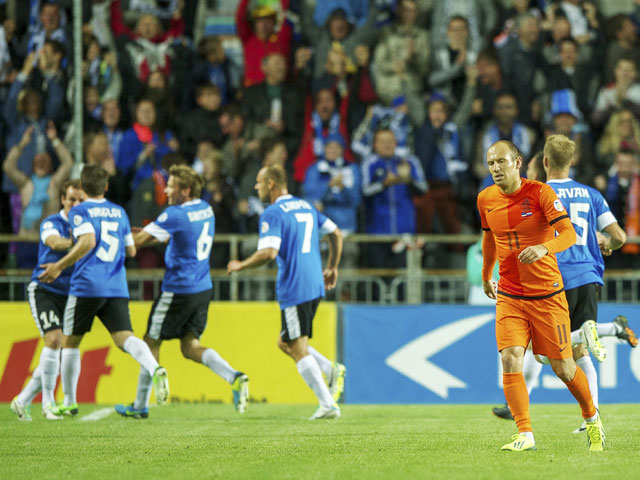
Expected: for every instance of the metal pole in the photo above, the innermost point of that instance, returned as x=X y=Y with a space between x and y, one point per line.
x=77 y=79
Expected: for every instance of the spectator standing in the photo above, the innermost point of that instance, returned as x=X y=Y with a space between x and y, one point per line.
x=623 y=93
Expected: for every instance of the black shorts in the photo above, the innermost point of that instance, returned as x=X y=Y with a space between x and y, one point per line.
x=173 y=315
x=80 y=312
x=583 y=304
x=297 y=320
x=46 y=307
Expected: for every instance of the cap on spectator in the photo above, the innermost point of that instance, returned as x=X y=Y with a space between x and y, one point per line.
x=564 y=101
x=263 y=9
x=339 y=13
x=437 y=97
x=399 y=100
x=336 y=138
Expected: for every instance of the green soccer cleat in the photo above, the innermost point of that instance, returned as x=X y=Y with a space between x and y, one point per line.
x=625 y=333
x=520 y=443
x=595 y=435
x=589 y=333
x=50 y=412
x=161 y=385
x=68 y=410
x=240 y=390
x=322 y=413
x=22 y=411
x=336 y=382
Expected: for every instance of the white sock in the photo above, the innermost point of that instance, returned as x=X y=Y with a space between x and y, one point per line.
x=310 y=371
x=530 y=436
x=50 y=362
x=531 y=369
x=26 y=396
x=609 y=329
x=145 y=382
x=140 y=351
x=323 y=362
x=576 y=337
x=586 y=364
x=70 y=370
x=218 y=365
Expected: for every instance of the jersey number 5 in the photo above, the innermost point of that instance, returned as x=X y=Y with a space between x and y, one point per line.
x=106 y=228
x=578 y=221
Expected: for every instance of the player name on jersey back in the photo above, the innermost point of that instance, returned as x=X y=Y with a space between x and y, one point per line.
x=573 y=192
x=197 y=215
x=95 y=212
x=296 y=204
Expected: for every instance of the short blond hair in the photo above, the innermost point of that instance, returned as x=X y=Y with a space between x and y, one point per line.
x=559 y=150
x=187 y=177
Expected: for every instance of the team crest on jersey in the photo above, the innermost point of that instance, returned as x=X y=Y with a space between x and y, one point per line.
x=526 y=208
x=163 y=217
x=557 y=204
x=264 y=227
x=77 y=219
x=47 y=225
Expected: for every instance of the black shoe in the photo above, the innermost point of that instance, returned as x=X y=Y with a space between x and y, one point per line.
x=625 y=333
x=502 y=412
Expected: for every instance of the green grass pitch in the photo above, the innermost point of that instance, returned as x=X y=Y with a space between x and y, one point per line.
x=277 y=441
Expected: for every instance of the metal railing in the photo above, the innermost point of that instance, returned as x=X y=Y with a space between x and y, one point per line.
x=411 y=285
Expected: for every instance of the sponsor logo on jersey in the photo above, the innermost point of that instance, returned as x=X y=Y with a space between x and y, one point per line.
x=163 y=217
x=264 y=227
x=77 y=219
x=557 y=204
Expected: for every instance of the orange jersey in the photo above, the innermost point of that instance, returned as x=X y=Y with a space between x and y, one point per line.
x=519 y=220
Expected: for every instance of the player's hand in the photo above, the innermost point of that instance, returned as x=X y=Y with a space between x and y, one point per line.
x=490 y=289
x=603 y=244
x=51 y=272
x=234 y=266
x=330 y=278
x=533 y=253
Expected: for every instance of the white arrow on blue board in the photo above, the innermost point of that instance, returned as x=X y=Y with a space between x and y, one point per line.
x=412 y=359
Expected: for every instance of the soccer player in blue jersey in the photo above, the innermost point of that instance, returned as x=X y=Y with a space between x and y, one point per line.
x=47 y=302
x=188 y=225
x=98 y=285
x=290 y=229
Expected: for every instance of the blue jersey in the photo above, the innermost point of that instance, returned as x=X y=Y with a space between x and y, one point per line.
x=54 y=225
x=293 y=227
x=189 y=227
x=101 y=273
x=582 y=263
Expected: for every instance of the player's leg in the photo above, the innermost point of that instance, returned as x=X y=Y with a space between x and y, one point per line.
x=297 y=328
x=512 y=335
x=619 y=328
x=70 y=366
x=114 y=314
x=583 y=360
x=551 y=337
x=334 y=372
x=21 y=403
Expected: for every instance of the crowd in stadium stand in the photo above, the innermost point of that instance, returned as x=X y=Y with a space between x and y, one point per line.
x=381 y=111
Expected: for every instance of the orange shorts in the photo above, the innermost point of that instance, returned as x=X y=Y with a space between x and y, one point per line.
x=545 y=322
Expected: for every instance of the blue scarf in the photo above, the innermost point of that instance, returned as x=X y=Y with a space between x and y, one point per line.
x=319 y=138
x=519 y=137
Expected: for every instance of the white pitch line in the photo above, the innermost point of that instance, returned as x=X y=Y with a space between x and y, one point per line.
x=97 y=415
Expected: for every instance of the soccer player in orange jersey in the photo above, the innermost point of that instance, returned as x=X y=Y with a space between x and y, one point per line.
x=519 y=218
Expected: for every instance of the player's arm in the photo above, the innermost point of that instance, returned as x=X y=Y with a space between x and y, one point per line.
x=489 y=256
x=142 y=238
x=259 y=257
x=58 y=243
x=84 y=245
x=330 y=273
x=612 y=238
x=566 y=238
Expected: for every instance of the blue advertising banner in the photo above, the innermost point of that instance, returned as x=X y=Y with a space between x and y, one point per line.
x=447 y=354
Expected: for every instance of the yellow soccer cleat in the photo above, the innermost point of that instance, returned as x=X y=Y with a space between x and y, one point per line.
x=595 y=435
x=520 y=443
x=589 y=333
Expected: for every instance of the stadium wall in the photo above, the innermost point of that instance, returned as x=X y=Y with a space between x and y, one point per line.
x=447 y=354
x=245 y=334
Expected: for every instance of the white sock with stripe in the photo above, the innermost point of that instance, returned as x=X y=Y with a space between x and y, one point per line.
x=586 y=364
x=70 y=372
x=608 y=329
x=531 y=369
x=50 y=362
x=145 y=383
x=310 y=371
x=323 y=362
x=140 y=351
x=576 y=337
x=218 y=365
x=26 y=396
